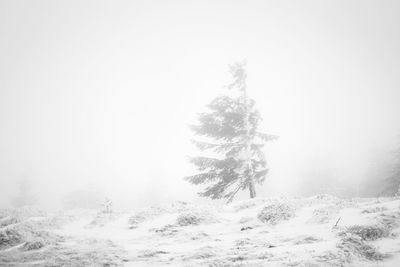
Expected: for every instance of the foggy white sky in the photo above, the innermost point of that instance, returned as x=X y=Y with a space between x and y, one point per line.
x=100 y=93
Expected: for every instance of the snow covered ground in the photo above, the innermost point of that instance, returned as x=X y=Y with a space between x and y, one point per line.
x=317 y=231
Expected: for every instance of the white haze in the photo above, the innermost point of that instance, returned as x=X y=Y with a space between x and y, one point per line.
x=98 y=94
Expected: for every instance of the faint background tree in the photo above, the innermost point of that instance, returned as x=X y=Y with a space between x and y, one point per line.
x=83 y=199
x=392 y=183
x=25 y=196
x=107 y=206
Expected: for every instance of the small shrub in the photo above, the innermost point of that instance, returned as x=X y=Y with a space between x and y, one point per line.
x=194 y=218
x=167 y=230
x=8 y=221
x=325 y=198
x=320 y=216
x=390 y=220
x=374 y=209
x=10 y=237
x=202 y=253
x=307 y=240
x=248 y=204
x=145 y=215
x=275 y=213
x=189 y=218
x=151 y=253
x=33 y=245
x=200 y=236
x=245 y=228
x=366 y=233
x=136 y=219
x=101 y=219
x=355 y=245
x=323 y=215
x=243 y=242
x=245 y=220
x=28 y=233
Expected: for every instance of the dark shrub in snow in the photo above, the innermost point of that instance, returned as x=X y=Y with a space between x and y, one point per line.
x=189 y=218
x=27 y=233
x=276 y=212
x=8 y=221
x=10 y=237
x=374 y=209
x=355 y=246
x=194 y=218
x=390 y=220
x=371 y=232
x=33 y=245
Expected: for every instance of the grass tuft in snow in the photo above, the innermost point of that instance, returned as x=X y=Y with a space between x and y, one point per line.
x=33 y=245
x=390 y=220
x=248 y=204
x=101 y=219
x=307 y=240
x=9 y=220
x=366 y=232
x=26 y=232
x=202 y=253
x=145 y=215
x=323 y=214
x=276 y=212
x=245 y=219
x=355 y=246
x=374 y=209
x=151 y=253
x=194 y=218
x=9 y=238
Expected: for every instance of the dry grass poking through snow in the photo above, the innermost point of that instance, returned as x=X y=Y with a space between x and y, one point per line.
x=357 y=241
x=276 y=212
x=355 y=246
x=257 y=232
x=195 y=218
x=366 y=232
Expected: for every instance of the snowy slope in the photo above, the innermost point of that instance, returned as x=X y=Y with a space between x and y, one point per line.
x=317 y=231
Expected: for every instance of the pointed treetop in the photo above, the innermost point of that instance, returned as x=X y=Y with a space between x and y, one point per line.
x=238 y=72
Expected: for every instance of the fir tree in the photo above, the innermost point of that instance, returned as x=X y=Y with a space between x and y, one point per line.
x=107 y=206
x=392 y=183
x=24 y=197
x=230 y=133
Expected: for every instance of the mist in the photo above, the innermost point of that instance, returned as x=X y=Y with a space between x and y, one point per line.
x=99 y=97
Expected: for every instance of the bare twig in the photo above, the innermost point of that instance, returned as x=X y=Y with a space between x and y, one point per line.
x=233 y=194
x=337 y=222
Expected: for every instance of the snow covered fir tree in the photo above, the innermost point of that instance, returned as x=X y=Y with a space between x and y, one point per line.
x=25 y=196
x=233 y=157
x=392 y=183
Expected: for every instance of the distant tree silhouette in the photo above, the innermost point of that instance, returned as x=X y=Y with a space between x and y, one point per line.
x=25 y=196
x=83 y=199
x=392 y=183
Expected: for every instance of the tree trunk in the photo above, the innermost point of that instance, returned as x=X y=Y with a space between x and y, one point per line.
x=249 y=166
x=252 y=189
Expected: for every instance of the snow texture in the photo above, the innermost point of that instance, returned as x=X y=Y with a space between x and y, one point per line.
x=316 y=231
